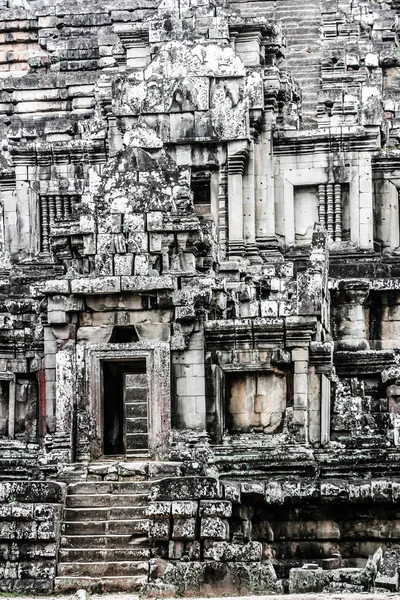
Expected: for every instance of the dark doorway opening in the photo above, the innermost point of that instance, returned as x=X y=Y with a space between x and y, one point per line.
x=201 y=188
x=125 y=410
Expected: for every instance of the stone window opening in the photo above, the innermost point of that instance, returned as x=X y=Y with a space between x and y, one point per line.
x=55 y=209
x=201 y=188
x=125 y=407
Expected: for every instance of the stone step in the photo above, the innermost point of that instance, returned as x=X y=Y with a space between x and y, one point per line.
x=295 y=21
x=312 y=57
x=9 y=476
x=100 y=584
x=105 y=500
x=105 y=514
x=281 y=9
x=292 y=64
x=294 y=31
x=109 y=487
x=83 y=528
x=103 y=541
x=134 y=553
x=103 y=569
x=308 y=71
x=289 y=6
x=301 y=40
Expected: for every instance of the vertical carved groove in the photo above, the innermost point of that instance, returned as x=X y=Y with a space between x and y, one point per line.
x=321 y=205
x=338 y=212
x=329 y=209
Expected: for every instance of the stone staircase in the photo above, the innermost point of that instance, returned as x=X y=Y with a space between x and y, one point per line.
x=301 y=25
x=104 y=544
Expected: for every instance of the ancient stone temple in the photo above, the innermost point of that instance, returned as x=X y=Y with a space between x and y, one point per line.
x=200 y=295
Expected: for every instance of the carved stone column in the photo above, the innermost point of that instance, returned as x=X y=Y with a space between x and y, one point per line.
x=249 y=216
x=264 y=186
x=300 y=392
x=237 y=153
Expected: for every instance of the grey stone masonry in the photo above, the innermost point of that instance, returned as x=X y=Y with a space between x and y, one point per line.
x=30 y=521
x=199 y=296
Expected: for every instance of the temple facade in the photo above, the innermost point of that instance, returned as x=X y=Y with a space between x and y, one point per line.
x=199 y=296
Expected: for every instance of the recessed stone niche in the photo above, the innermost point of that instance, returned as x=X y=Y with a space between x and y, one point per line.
x=255 y=402
x=305 y=213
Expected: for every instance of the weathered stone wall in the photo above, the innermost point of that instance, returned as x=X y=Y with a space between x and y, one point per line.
x=30 y=521
x=199 y=281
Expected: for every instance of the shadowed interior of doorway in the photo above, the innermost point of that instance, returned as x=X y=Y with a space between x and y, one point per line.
x=125 y=410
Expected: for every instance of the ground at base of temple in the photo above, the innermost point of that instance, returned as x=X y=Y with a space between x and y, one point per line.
x=321 y=596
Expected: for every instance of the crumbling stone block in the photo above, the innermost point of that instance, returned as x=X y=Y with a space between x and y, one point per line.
x=215 y=528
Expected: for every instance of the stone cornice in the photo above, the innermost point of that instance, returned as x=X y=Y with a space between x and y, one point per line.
x=333 y=139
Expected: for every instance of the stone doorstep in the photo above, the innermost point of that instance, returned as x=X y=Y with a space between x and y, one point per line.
x=104 y=542
x=103 y=569
x=138 y=553
x=122 y=583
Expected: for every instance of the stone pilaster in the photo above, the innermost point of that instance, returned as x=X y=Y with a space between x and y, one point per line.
x=236 y=164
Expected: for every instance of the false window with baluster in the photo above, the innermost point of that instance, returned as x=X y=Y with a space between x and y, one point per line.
x=55 y=209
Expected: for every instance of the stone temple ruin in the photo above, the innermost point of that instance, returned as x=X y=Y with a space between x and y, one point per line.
x=200 y=295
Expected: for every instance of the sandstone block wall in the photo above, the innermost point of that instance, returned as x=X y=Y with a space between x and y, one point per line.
x=199 y=291
x=30 y=521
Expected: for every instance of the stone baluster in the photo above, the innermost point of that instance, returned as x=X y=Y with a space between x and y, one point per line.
x=338 y=212
x=67 y=207
x=222 y=210
x=58 y=207
x=329 y=210
x=321 y=205
x=44 y=215
x=52 y=210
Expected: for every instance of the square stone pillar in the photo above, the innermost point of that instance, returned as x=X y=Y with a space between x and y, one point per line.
x=264 y=186
x=249 y=210
x=300 y=392
x=237 y=154
x=325 y=410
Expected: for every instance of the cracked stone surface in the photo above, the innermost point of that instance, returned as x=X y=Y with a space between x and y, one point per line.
x=199 y=297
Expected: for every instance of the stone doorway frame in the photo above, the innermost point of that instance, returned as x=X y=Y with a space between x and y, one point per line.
x=158 y=368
